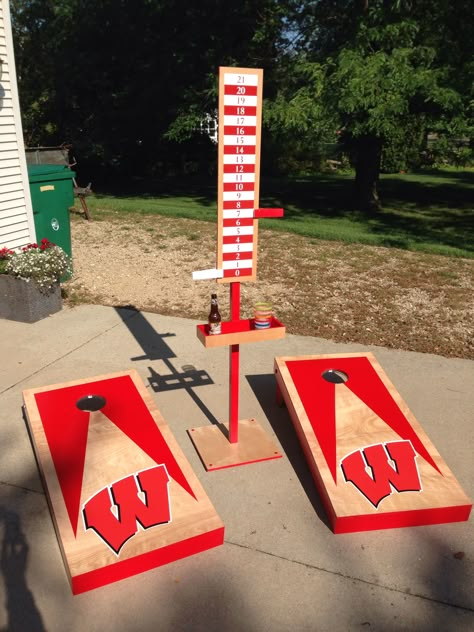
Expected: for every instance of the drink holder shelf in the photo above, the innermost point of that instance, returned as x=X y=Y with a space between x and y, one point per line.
x=236 y=332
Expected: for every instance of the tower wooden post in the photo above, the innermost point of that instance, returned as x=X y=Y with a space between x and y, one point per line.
x=240 y=115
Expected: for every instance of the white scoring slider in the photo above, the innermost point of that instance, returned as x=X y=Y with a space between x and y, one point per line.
x=212 y=273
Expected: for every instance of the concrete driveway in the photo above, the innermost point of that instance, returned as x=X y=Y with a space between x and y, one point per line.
x=281 y=567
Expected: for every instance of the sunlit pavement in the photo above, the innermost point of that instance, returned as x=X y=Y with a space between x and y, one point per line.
x=281 y=567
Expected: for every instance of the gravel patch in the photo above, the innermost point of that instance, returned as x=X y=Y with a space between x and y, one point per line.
x=343 y=292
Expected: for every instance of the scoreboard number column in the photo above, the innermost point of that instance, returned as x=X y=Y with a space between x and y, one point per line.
x=240 y=116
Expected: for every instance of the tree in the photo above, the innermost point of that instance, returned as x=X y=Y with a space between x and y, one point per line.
x=29 y=25
x=125 y=79
x=298 y=123
x=387 y=71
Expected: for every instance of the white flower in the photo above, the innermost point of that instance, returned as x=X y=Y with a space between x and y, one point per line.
x=45 y=267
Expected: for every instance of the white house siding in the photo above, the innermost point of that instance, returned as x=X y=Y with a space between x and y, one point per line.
x=16 y=214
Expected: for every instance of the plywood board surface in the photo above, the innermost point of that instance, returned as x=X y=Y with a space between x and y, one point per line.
x=122 y=495
x=372 y=462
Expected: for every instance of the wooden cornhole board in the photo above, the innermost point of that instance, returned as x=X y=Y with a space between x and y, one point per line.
x=122 y=495
x=372 y=463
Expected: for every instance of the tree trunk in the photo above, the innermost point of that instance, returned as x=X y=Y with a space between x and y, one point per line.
x=368 y=154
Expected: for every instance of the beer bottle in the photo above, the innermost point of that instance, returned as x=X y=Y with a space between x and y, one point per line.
x=214 y=316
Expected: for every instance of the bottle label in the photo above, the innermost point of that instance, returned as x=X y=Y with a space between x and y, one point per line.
x=214 y=328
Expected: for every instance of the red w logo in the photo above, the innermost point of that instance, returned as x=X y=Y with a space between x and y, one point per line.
x=131 y=510
x=402 y=476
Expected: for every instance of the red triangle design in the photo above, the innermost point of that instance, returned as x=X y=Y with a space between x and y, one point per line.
x=365 y=382
x=66 y=428
x=318 y=398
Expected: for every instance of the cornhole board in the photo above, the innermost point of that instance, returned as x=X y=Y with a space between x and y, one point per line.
x=122 y=495
x=373 y=465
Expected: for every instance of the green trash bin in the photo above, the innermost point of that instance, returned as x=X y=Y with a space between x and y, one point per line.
x=52 y=194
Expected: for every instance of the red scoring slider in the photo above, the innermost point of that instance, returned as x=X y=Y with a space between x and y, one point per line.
x=268 y=212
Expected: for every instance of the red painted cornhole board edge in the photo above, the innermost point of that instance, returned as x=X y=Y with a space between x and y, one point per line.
x=147 y=561
x=367 y=522
x=127 y=567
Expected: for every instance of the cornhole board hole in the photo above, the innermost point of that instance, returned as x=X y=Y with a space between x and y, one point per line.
x=122 y=495
x=373 y=465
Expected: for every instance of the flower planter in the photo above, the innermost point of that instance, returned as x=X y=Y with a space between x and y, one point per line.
x=23 y=301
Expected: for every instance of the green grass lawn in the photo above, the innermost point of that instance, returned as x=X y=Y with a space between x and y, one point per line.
x=432 y=212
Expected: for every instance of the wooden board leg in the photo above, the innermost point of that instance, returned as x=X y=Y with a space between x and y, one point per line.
x=85 y=208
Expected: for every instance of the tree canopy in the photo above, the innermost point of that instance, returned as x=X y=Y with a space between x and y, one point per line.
x=129 y=81
x=383 y=75
x=126 y=79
